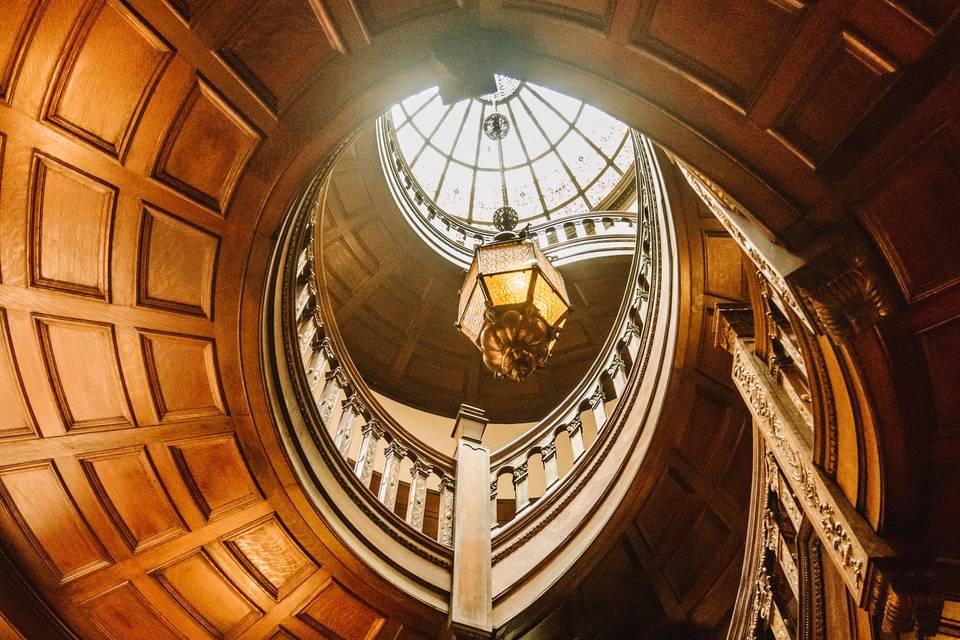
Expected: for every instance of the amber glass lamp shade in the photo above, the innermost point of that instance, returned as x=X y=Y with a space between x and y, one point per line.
x=512 y=307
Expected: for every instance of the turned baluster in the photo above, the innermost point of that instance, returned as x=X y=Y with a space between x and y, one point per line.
x=418 y=494
x=371 y=433
x=395 y=454
x=521 y=490
x=445 y=528
x=353 y=408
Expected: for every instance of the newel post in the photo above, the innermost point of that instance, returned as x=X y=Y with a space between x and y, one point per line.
x=471 y=595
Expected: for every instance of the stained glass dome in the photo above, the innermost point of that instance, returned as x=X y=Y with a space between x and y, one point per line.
x=561 y=156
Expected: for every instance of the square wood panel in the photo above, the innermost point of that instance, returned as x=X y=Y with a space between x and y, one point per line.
x=378 y=16
x=269 y=553
x=71 y=228
x=108 y=70
x=20 y=23
x=47 y=516
x=17 y=419
x=122 y=613
x=732 y=48
x=71 y=350
x=176 y=264
x=591 y=13
x=279 y=46
x=183 y=374
x=206 y=148
x=216 y=474
x=337 y=613
x=198 y=584
x=127 y=486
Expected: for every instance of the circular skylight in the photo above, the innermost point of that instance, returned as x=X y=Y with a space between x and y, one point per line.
x=561 y=157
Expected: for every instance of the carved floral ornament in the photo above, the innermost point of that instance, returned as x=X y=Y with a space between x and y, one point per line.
x=847 y=552
x=841 y=289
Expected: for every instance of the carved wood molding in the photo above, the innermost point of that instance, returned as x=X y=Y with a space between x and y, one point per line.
x=846 y=537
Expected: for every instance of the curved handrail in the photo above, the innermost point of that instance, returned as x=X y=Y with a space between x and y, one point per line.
x=619 y=359
x=576 y=237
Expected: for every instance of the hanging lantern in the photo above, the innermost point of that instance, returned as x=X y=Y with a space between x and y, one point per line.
x=512 y=306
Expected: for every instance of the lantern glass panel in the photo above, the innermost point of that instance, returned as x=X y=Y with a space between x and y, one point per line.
x=552 y=274
x=505 y=256
x=509 y=288
x=548 y=302
x=471 y=322
x=467 y=289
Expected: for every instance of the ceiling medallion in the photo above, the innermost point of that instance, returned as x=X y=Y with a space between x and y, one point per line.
x=506 y=218
x=496 y=126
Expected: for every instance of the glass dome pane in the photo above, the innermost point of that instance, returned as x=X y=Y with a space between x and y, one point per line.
x=557 y=155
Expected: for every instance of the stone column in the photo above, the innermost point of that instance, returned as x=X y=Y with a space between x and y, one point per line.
x=471 y=595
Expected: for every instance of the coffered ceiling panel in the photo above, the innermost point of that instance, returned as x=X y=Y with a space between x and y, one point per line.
x=216 y=474
x=176 y=264
x=127 y=486
x=21 y=17
x=923 y=256
x=270 y=555
x=206 y=121
x=17 y=420
x=183 y=375
x=47 y=516
x=106 y=75
x=380 y=16
x=280 y=45
x=851 y=77
x=122 y=613
x=71 y=219
x=592 y=13
x=337 y=613
x=201 y=587
x=698 y=36
x=71 y=349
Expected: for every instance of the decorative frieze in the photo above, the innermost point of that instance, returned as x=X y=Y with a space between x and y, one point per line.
x=833 y=520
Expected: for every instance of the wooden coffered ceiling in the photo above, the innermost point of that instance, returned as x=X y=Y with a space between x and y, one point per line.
x=395 y=302
x=148 y=150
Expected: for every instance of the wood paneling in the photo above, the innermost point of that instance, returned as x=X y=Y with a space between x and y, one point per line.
x=17 y=420
x=20 y=18
x=338 y=613
x=216 y=474
x=850 y=78
x=267 y=551
x=924 y=257
x=201 y=587
x=698 y=37
x=47 y=516
x=279 y=46
x=176 y=264
x=122 y=613
x=71 y=221
x=940 y=345
x=592 y=13
x=108 y=70
x=71 y=350
x=207 y=121
x=183 y=375
x=725 y=277
x=127 y=486
x=380 y=16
